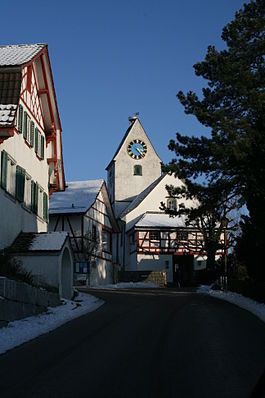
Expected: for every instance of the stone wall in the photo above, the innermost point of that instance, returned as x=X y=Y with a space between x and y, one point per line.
x=19 y=300
x=157 y=277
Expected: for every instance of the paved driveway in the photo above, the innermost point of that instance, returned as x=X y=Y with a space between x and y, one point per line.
x=152 y=343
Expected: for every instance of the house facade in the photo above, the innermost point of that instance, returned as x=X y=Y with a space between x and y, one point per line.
x=85 y=212
x=150 y=240
x=31 y=165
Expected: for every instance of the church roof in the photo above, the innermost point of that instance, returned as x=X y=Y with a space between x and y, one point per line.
x=18 y=54
x=139 y=198
x=122 y=141
x=77 y=198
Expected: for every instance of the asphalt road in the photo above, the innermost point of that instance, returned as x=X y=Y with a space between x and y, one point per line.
x=152 y=343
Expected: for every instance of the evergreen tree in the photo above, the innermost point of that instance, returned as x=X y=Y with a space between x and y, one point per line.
x=233 y=107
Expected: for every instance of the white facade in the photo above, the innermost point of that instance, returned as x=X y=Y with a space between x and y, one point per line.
x=30 y=141
x=15 y=215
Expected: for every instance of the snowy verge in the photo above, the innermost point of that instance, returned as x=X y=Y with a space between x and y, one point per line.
x=23 y=330
x=128 y=285
x=246 y=303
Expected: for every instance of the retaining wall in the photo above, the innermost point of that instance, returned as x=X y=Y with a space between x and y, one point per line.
x=19 y=300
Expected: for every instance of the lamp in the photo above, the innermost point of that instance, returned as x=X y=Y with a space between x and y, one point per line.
x=224 y=224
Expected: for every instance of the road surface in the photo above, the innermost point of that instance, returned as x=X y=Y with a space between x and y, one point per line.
x=141 y=344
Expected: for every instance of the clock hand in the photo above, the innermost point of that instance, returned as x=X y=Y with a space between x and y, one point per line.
x=139 y=150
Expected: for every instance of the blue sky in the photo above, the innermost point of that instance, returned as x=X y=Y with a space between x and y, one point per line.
x=111 y=59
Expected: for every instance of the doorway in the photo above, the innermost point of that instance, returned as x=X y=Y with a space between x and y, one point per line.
x=183 y=269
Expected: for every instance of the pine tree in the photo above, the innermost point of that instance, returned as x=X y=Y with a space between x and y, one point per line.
x=232 y=105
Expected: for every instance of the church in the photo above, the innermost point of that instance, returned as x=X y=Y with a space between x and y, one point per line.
x=149 y=240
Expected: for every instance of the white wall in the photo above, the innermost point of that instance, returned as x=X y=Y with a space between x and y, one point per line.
x=14 y=219
x=152 y=201
x=44 y=266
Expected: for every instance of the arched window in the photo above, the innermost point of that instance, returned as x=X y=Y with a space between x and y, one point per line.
x=172 y=203
x=137 y=170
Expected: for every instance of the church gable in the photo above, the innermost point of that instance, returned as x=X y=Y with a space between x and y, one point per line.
x=135 y=135
x=134 y=166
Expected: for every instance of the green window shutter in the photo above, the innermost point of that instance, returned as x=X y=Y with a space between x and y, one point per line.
x=20 y=183
x=34 y=197
x=25 y=125
x=33 y=194
x=42 y=147
x=45 y=206
x=32 y=128
x=36 y=140
x=20 y=119
x=3 y=169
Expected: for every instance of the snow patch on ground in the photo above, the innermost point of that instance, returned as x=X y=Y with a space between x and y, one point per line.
x=23 y=330
x=128 y=285
x=246 y=303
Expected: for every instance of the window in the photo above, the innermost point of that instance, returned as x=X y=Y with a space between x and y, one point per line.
x=172 y=203
x=154 y=235
x=106 y=241
x=182 y=235
x=27 y=192
x=94 y=233
x=39 y=143
x=8 y=173
x=137 y=170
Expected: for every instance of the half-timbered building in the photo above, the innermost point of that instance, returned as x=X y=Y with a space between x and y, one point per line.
x=31 y=164
x=85 y=212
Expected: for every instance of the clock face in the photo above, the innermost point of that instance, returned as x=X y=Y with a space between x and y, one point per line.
x=137 y=149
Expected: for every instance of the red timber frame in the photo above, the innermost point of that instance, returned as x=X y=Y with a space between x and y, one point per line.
x=50 y=134
x=186 y=241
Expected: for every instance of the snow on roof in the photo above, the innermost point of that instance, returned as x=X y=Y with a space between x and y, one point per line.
x=50 y=241
x=78 y=197
x=18 y=54
x=160 y=220
x=7 y=114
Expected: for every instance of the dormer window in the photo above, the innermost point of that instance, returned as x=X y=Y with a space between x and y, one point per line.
x=137 y=170
x=172 y=204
